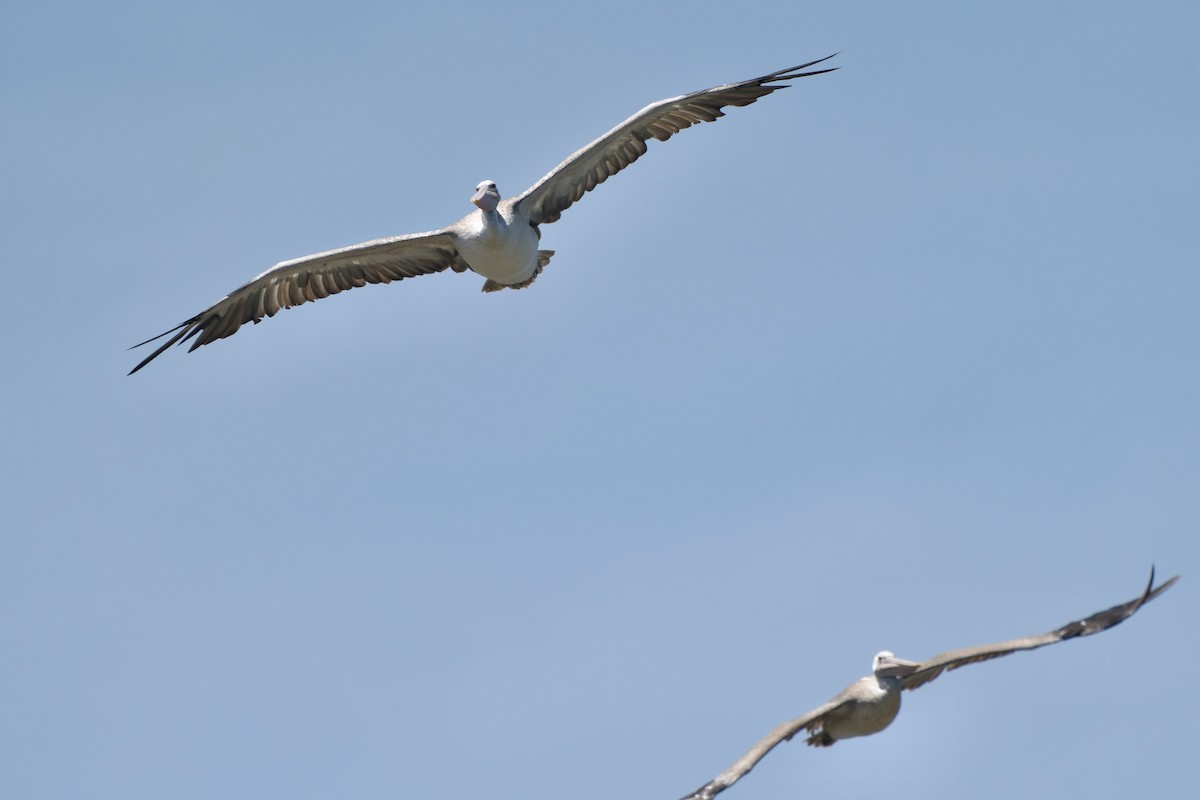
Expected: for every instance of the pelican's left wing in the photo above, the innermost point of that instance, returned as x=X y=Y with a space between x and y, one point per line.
x=302 y=280
x=782 y=733
x=585 y=169
x=1100 y=621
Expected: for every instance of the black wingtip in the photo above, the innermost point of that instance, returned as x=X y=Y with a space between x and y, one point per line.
x=153 y=338
x=794 y=72
x=812 y=63
x=1152 y=591
x=180 y=335
x=1111 y=617
x=771 y=80
x=1145 y=593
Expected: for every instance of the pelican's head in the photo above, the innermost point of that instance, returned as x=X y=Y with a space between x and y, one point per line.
x=486 y=196
x=887 y=665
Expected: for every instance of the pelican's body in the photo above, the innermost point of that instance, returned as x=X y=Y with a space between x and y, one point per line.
x=498 y=241
x=873 y=704
x=864 y=707
x=870 y=704
x=498 y=246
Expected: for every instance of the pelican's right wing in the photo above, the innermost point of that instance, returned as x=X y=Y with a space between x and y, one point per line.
x=755 y=754
x=301 y=280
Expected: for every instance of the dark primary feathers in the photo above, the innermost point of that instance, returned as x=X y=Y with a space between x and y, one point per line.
x=590 y=166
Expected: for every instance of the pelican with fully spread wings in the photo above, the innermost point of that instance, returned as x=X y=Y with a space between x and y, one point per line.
x=499 y=240
x=870 y=704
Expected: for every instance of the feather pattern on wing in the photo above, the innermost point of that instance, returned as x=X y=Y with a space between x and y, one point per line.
x=291 y=283
x=587 y=168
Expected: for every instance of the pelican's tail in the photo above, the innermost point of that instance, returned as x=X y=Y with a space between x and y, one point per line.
x=543 y=258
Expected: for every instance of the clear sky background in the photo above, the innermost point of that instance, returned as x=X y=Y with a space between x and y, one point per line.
x=902 y=357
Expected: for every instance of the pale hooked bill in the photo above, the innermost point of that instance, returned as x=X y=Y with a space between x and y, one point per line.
x=870 y=704
x=498 y=240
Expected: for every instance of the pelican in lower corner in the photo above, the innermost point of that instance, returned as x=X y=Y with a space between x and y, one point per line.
x=870 y=704
x=499 y=240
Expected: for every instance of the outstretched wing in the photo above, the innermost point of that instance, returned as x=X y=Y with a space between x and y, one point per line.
x=585 y=169
x=301 y=280
x=1100 y=621
x=765 y=745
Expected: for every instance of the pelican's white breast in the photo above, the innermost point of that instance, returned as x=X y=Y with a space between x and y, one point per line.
x=501 y=246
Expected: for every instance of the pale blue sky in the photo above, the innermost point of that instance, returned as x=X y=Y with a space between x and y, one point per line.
x=903 y=357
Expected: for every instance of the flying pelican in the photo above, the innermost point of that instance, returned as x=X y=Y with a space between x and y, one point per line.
x=870 y=704
x=499 y=240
